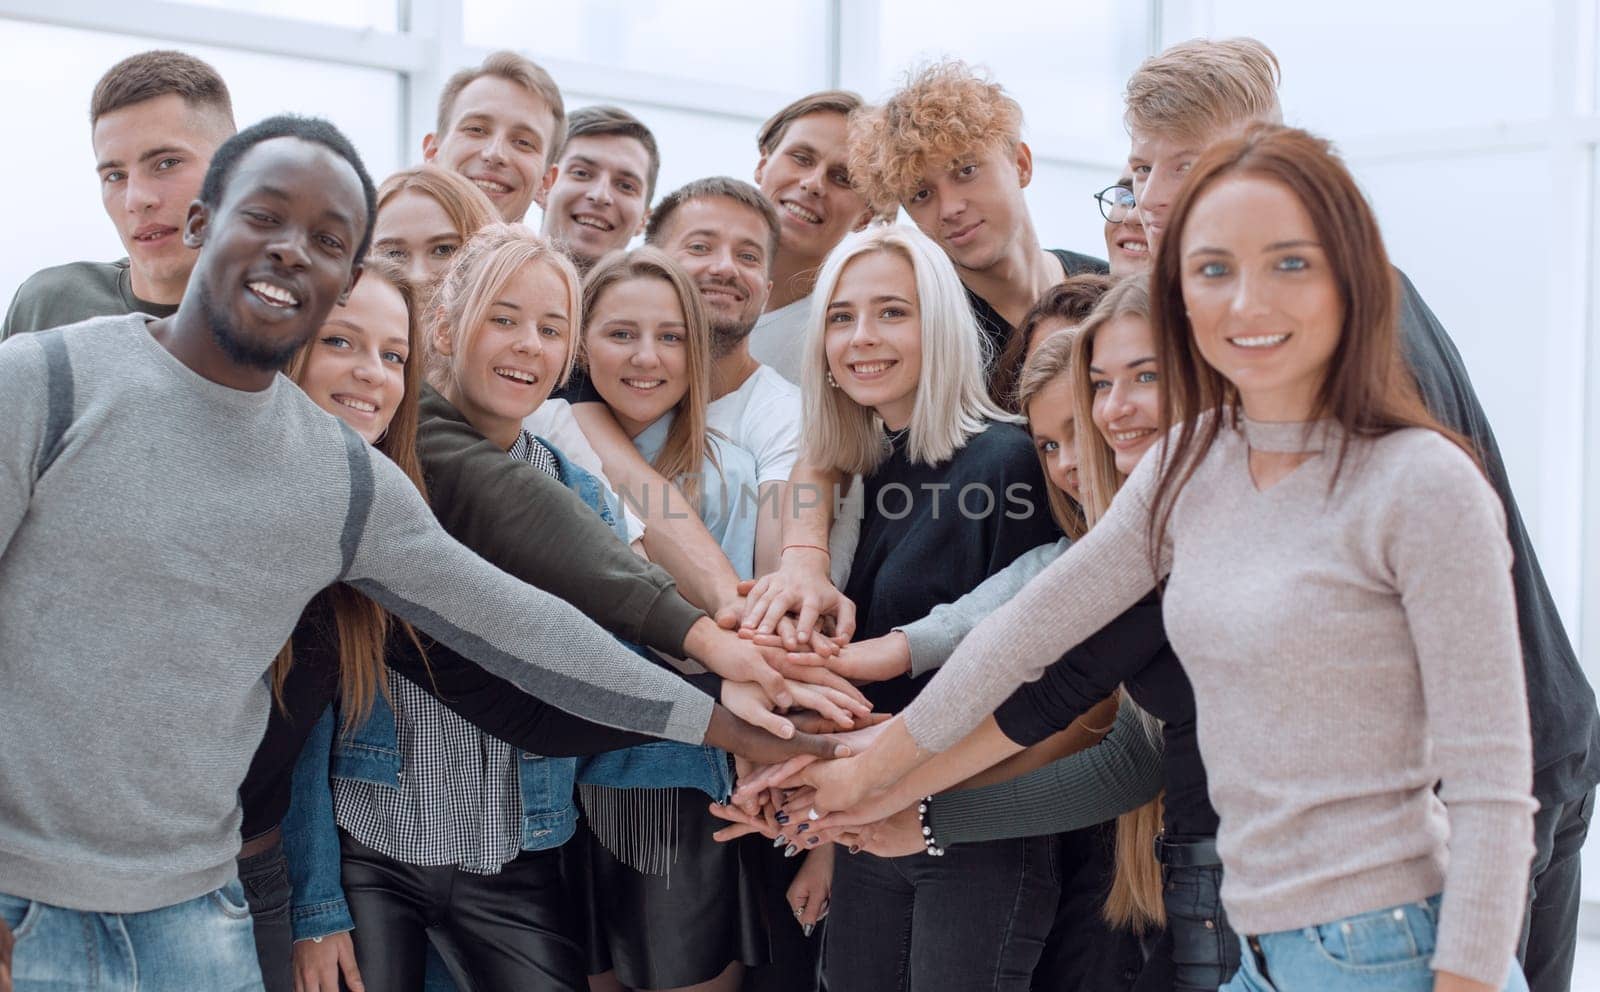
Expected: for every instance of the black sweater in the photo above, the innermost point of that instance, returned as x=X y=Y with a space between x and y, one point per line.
x=918 y=548
x=1131 y=650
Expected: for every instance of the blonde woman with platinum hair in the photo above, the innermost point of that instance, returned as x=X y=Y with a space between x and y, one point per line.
x=951 y=493
x=951 y=401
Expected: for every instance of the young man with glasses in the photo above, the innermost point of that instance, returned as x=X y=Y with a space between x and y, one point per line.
x=1126 y=246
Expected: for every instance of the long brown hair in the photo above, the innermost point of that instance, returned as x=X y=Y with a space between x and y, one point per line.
x=1070 y=300
x=363 y=626
x=1097 y=462
x=687 y=446
x=1367 y=390
x=1050 y=362
x=1134 y=899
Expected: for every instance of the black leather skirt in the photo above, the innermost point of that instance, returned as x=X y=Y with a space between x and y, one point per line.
x=681 y=928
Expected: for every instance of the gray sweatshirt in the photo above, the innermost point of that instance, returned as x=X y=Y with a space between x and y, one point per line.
x=1349 y=651
x=161 y=534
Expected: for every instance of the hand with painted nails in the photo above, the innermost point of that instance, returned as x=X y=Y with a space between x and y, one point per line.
x=808 y=893
x=893 y=837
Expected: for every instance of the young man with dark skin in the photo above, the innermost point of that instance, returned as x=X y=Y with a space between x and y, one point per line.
x=804 y=171
x=155 y=118
x=125 y=855
x=1189 y=96
x=604 y=183
x=501 y=124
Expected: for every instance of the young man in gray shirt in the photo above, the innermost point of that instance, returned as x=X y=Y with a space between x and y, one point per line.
x=156 y=118
x=168 y=505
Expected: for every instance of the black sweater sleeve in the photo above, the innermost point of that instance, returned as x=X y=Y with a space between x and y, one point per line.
x=1085 y=675
x=501 y=710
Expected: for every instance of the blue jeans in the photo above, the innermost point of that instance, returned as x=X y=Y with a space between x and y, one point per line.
x=205 y=943
x=1387 y=950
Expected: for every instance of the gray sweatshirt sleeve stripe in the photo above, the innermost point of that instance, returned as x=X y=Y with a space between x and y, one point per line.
x=594 y=702
x=58 y=377
x=355 y=519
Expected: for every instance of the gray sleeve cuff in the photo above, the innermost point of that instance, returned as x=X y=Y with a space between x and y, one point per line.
x=932 y=642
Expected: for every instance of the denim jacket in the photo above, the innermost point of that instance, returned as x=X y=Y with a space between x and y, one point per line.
x=371 y=753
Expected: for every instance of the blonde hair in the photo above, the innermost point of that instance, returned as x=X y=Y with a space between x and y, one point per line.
x=952 y=402
x=481 y=269
x=1050 y=362
x=687 y=446
x=518 y=69
x=1135 y=900
x=944 y=111
x=1200 y=88
x=1098 y=476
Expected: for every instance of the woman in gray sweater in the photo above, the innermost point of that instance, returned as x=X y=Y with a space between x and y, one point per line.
x=1338 y=587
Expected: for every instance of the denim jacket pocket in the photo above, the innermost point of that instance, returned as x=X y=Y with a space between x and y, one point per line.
x=1398 y=937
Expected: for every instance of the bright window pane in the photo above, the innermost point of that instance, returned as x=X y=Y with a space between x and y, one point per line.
x=771 y=45
x=55 y=195
x=1362 y=67
x=1064 y=62
x=380 y=15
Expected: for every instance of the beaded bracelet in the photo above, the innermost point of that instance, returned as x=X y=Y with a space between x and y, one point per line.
x=928 y=842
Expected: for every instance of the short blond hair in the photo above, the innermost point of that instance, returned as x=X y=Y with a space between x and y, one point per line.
x=518 y=69
x=481 y=269
x=1200 y=88
x=952 y=402
x=944 y=111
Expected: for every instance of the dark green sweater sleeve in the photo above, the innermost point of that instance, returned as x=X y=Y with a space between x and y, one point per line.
x=530 y=525
x=1121 y=773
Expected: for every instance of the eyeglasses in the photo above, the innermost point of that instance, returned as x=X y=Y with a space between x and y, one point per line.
x=1116 y=202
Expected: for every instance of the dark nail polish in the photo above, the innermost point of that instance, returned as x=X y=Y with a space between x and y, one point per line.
x=782 y=818
x=803 y=828
x=812 y=840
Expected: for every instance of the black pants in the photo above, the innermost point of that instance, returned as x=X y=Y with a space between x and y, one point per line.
x=1550 y=928
x=974 y=920
x=1199 y=951
x=509 y=932
x=265 y=877
x=1084 y=953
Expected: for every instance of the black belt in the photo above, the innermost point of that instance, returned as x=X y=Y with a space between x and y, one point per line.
x=1198 y=853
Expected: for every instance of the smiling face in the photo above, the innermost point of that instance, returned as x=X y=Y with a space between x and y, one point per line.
x=279 y=249
x=807 y=178
x=722 y=244
x=1126 y=247
x=356 y=368
x=637 y=343
x=1051 y=421
x=873 y=339
x=503 y=368
x=975 y=208
x=151 y=157
x=1264 y=305
x=499 y=137
x=599 y=200
x=414 y=230
x=1127 y=394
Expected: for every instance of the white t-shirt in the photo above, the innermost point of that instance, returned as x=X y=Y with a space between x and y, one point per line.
x=777 y=337
x=762 y=417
